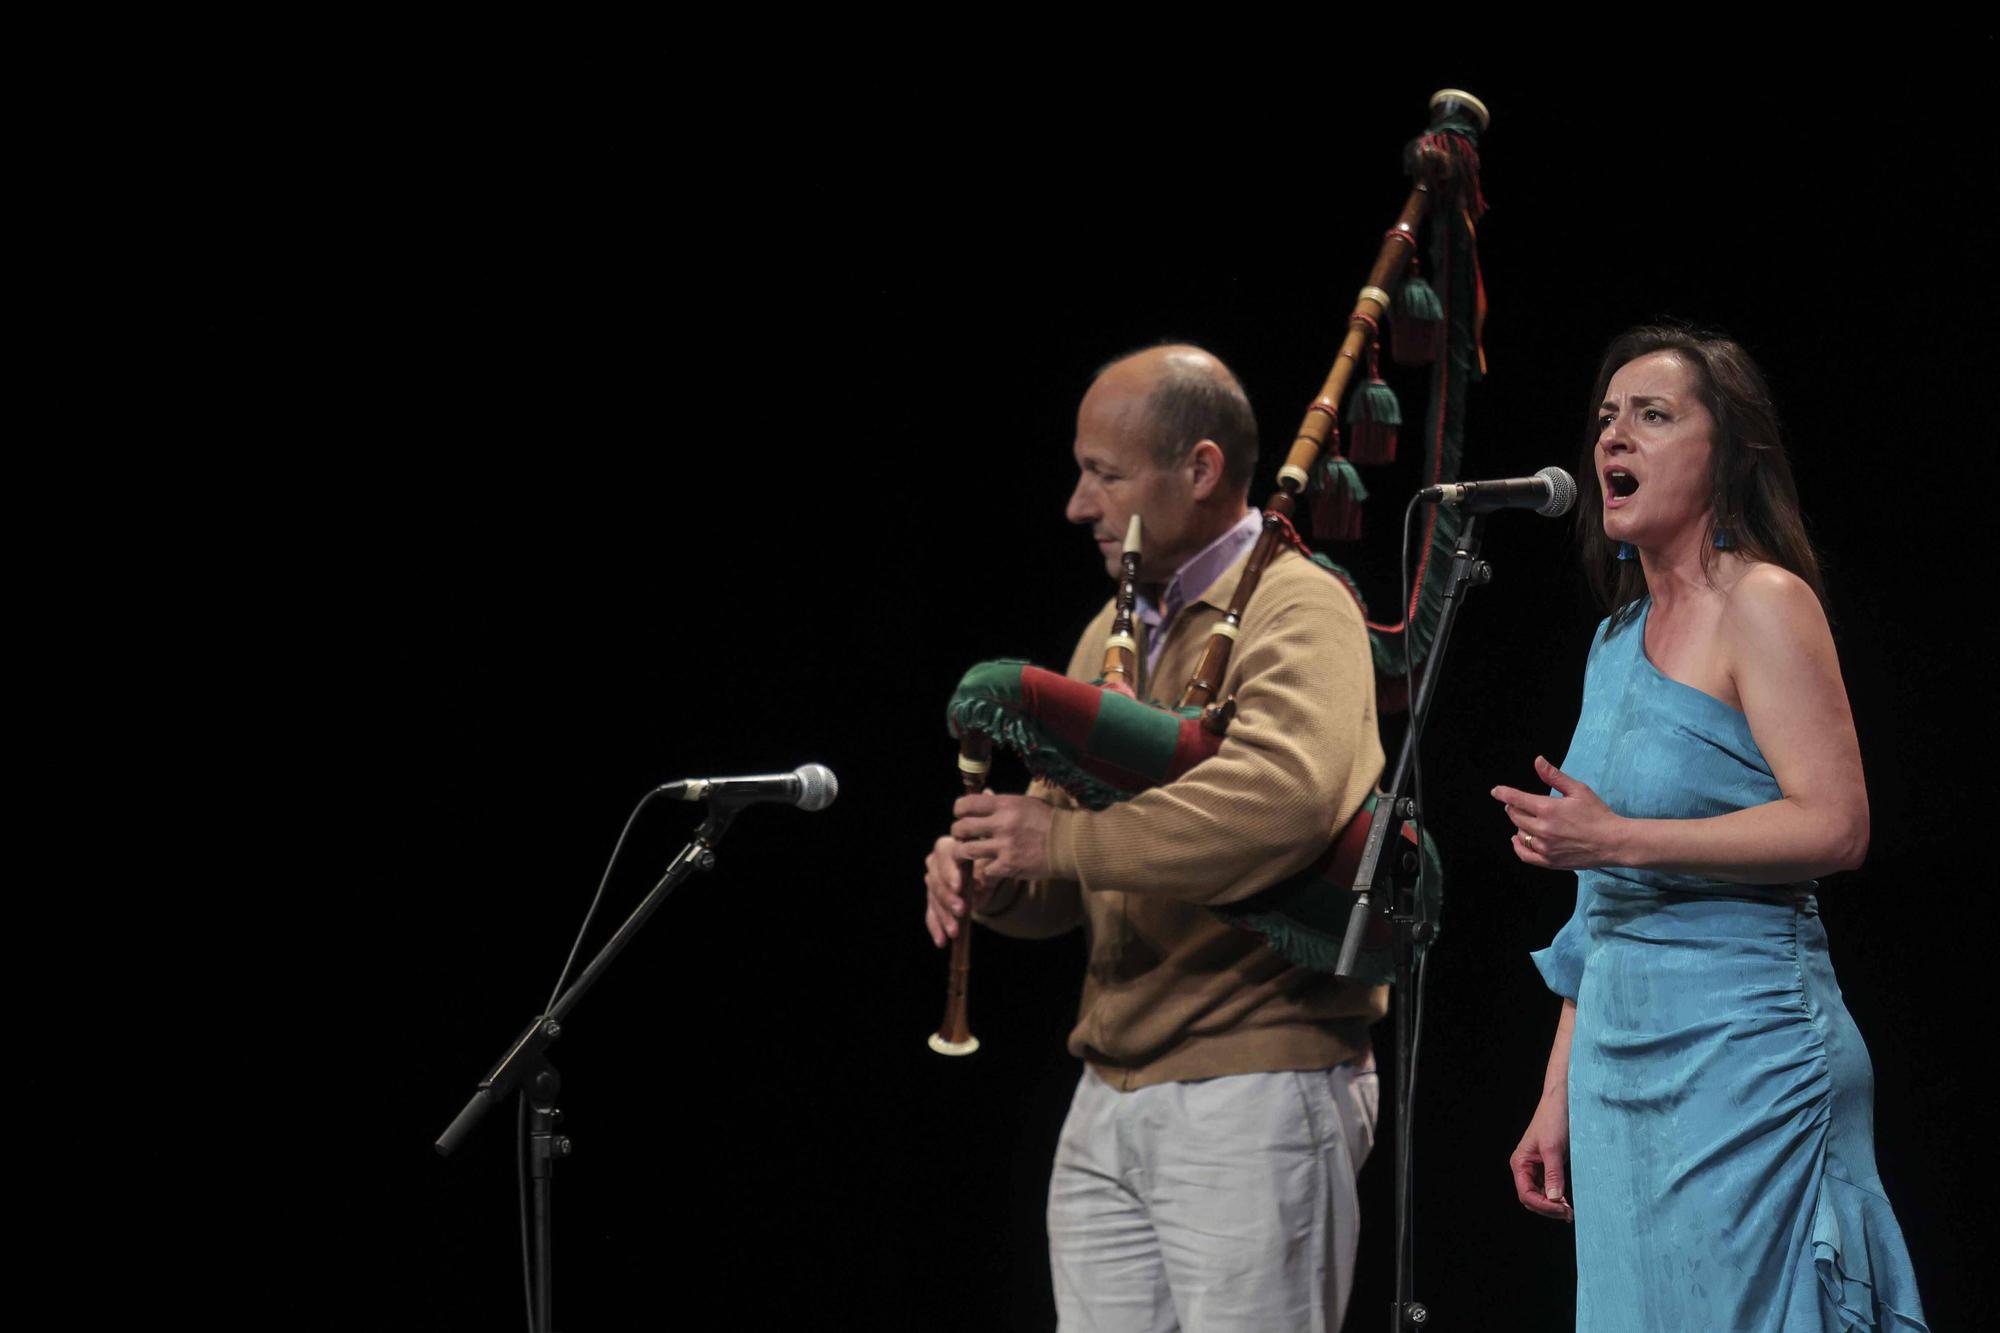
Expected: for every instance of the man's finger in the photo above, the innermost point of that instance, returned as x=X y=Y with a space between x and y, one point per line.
x=981 y=852
x=985 y=803
x=973 y=828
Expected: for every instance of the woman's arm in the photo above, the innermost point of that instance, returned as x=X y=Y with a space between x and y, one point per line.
x=1541 y=1162
x=1781 y=659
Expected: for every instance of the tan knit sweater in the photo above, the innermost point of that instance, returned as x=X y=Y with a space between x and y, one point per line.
x=1172 y=992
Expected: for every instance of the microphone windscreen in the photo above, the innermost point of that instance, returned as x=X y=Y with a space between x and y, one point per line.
x=1562 y=492
x=817 y=787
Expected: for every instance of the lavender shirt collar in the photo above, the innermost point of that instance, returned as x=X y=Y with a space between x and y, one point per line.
x=1191 y=580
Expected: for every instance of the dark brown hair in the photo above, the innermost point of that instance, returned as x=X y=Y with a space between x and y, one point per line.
x=1755 y=504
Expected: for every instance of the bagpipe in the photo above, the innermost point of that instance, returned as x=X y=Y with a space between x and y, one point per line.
x=1102 y=744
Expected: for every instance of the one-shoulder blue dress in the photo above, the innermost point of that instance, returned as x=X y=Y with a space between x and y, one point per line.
x=1722 y=1154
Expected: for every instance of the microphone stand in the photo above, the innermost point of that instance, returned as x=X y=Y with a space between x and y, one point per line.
x=1407 y=911
x=525 y=1067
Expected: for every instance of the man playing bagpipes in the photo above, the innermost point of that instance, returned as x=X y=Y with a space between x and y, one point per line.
x=1205 y=1174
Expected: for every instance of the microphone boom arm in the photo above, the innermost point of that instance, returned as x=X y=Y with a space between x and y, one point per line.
x=525 y=1056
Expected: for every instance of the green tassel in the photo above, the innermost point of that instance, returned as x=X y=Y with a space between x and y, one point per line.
x=1418 y=322
x=1372 y=417
x=1374 y=401
x=1338 y=478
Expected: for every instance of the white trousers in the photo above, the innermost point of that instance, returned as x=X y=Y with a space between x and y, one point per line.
x=1210 y=1207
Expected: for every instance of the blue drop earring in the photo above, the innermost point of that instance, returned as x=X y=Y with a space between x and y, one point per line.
x=1723 y=541
x=1626 y=551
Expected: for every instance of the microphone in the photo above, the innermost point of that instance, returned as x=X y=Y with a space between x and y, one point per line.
x=810 y=787
x=1551 y=491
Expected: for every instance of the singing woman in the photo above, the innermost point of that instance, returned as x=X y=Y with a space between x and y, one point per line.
x=1706 y=1115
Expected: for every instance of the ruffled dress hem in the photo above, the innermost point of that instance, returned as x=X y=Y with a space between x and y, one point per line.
x=1849 y=1225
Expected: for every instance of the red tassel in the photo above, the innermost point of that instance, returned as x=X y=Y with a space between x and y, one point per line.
x=1415 y=341
x=1372 y=443
x=1336 y=518
x=1336 y=503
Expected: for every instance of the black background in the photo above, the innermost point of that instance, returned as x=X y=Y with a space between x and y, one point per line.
x=694 y=441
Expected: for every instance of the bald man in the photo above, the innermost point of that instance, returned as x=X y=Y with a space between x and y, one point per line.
x=1204 y=1180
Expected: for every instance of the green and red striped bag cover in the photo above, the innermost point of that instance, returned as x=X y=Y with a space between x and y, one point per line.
x=1094 y=743
x=1103 y=747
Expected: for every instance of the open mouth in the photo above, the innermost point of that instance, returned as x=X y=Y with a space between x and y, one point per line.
x=1619 y=483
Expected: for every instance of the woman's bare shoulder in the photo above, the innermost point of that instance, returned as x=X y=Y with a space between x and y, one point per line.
x=1772 y=622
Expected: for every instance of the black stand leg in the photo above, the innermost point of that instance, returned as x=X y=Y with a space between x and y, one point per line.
x=1409 y=914
x=545 y=1147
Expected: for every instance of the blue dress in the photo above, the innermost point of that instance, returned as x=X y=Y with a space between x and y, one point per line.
x=1722 y=1155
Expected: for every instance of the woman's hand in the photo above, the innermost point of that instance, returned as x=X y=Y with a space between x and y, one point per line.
x=1541 y=1163
x=1574 y=831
